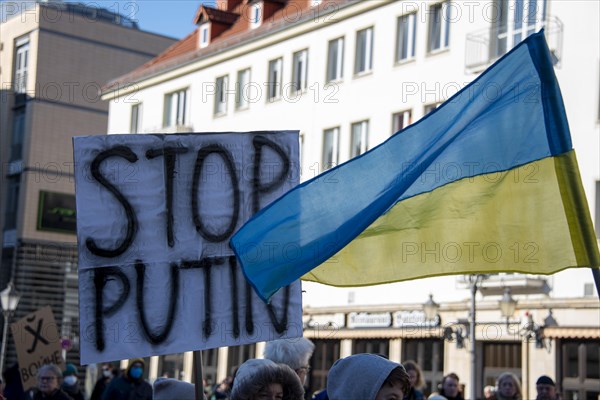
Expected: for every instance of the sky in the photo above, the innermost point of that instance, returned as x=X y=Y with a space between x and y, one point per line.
x=165 y=17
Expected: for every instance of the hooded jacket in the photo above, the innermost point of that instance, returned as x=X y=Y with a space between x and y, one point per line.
x=127 y=388
x=255 y=374
x=358 y=377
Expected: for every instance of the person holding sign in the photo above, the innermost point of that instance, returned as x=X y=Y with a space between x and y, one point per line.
x=262 y=379
x=49 y=378
x=130 y=385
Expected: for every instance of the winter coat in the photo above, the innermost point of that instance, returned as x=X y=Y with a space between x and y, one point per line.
x=256 y=374
x=359 y=376
x=414 y=394
x=73 y=391
x=126 y=388
x=56 y=395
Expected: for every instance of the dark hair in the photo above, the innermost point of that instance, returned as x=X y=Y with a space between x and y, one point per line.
x=451 y=375
x=398 y=375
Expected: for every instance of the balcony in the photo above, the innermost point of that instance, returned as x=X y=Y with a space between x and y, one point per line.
x=485 y=46
x=519 y=284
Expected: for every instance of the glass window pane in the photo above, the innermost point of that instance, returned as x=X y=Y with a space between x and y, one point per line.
x=571 y=362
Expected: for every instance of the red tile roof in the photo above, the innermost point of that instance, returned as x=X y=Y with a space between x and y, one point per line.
x=186 y=50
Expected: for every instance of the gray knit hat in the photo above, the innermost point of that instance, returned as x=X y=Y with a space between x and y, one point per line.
x=255 y=374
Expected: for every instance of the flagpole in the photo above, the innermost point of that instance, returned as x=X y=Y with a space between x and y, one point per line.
x=198 y=378
x=596 y=275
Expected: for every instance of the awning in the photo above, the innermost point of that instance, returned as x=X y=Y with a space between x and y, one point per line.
x=564 y=332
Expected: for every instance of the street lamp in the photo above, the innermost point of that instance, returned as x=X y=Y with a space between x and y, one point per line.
x=431 y=308
x=507 y=305
x=10 y=299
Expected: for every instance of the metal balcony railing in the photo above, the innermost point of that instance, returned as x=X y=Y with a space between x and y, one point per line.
x=485 y=46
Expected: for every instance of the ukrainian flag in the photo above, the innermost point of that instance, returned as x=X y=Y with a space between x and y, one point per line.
x=486 y=183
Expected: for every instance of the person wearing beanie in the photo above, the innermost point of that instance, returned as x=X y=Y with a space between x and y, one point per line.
x=131 y=385
x=366 y=377
x=546 y=389
x=295 y=353
x=70 y=383
x=171 y=389
x=262 y=379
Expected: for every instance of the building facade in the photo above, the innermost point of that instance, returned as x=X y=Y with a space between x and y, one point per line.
x=348 y=74
x=54 y=57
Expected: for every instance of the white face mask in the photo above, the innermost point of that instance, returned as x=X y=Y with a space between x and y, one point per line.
x=107 y=373
x=70 y=380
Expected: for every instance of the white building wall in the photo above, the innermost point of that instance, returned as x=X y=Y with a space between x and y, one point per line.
x=376 y=96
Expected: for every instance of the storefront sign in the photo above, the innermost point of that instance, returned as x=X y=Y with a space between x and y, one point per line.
x=404 y=319
x=369 y=320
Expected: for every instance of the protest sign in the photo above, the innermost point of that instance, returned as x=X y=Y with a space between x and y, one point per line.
x=37 y=343
x=154 y=218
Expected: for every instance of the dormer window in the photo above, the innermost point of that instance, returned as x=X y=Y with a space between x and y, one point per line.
x=204 y=35
x=256 y=14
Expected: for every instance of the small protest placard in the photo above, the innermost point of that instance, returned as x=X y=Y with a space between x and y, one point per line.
x=154 y=217
x=37 y=343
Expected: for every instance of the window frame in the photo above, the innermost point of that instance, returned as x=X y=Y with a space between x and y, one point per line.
x=300 y=71
x=135 y=117
x=221 y=91
x=363 y=64
x=21 y=62
x=443 y=35
x=338 y=70
x=204 y=35
x=363 y=133
x=241 y=101
x=274 y=87
x=330 y=162
x=406 y=120
x=180 y=113
x=410 y=21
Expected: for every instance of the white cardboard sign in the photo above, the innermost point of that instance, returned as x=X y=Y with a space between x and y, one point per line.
x=154 y=217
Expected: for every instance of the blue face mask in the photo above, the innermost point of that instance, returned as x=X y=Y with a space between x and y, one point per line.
x=136 y=372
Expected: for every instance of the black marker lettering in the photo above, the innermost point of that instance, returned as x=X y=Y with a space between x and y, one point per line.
x=258 y=188
x=234 y=295
x=280 y=326
x=100 y=278
x=170 y=154
x=156 y=338
x=202 y=154
x=126 y=153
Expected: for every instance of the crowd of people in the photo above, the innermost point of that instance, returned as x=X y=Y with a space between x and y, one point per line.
x=280 y=375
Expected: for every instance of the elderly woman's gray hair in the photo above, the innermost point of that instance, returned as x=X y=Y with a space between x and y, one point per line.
x=294 y=353
x=52 y=368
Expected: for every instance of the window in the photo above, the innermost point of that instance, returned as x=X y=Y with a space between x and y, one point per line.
x=136 y=118
x=430 y=107
x=18 y=133
x=497 y=358
x=175 y=108
x=221 y=95
x=331 y=139
x=236 y=355
x=429 y=354
x=300 y=70
x=256 y=15
x=12 y=202
x=274 y=79
x=405 y=37
x=360 y=138
x=515 y=20
x=580 y=369
x=335 y=60
x=439 y=27
x=363 y=61
x=204 y=35
x=373 y=346
x=21 y=63
x=401 y=120
x=241 y=90
x=326 y=352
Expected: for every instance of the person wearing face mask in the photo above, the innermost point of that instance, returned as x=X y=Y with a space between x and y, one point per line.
x=131 y=385
x=106 y=375
x=70 y=383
